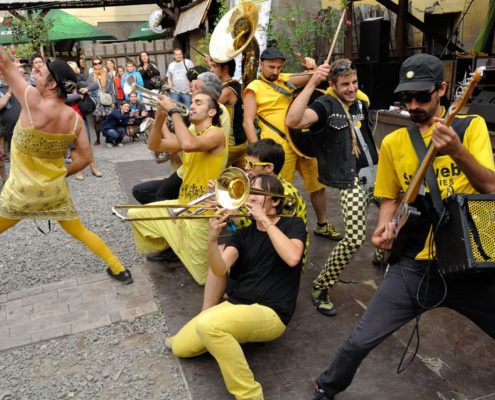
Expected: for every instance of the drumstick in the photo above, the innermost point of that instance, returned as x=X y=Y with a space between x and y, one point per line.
x=335 y=37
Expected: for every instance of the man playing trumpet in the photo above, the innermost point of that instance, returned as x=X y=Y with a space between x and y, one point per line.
x=204 y=156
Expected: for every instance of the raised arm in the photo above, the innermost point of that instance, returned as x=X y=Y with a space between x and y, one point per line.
x=17 y=84
x=298 y=115
x=220 y=263
x=289 y=250
x=160 y=138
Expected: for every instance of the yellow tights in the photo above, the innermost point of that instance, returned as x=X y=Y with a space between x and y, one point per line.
x=76 y=229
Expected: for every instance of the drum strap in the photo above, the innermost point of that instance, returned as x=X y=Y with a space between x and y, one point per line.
x=272 y=127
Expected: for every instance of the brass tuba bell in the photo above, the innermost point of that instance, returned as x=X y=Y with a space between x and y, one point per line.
x=234 y=34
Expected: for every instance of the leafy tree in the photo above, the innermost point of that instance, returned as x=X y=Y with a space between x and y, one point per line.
x=33 y=29
x=297 y=30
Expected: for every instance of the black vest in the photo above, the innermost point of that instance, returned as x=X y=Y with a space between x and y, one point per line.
x=337 y=166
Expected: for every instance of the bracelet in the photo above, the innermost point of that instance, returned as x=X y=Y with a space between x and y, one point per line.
x=173 y=111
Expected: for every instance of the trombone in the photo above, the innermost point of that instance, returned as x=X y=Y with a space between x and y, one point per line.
x=232 y=190
x=151 y=98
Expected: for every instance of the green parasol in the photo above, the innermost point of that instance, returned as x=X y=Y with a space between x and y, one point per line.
x=144 y=32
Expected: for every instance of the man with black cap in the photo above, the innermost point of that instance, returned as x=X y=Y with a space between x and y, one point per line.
x=268 y=98
x=37 y=187
x=413 y=284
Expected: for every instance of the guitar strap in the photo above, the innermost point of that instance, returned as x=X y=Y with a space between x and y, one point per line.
x=431 y=180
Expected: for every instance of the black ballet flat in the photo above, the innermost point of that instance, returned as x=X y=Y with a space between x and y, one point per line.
x=125 y=276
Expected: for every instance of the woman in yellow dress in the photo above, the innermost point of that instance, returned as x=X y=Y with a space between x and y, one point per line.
x=36 y=187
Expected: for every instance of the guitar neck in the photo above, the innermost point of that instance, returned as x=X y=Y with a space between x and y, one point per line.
x=413 y=188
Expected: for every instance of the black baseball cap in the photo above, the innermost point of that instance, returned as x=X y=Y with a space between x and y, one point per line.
x=419 y=73
x=271 y=53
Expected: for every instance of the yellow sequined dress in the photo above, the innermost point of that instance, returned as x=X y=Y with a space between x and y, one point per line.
x=37 y=187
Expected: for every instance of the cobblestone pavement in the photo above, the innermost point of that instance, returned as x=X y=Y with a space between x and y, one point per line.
x=67 y=330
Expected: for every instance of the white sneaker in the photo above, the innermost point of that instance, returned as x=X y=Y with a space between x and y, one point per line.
x=109 y=145
x=121 y=145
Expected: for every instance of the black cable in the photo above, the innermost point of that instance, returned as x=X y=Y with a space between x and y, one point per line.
x=415 y=331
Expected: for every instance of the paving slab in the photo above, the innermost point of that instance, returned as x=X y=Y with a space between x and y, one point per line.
x=72 y=306
x=455 y=359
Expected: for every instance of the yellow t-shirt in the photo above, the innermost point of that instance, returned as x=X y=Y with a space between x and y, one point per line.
x=199 y=168
x=398 y=163
x=272 y=105
x=226 y=127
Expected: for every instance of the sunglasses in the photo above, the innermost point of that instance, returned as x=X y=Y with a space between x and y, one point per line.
x=97 y=63
x=251 y=164
x=421 y=97
x=343 y=67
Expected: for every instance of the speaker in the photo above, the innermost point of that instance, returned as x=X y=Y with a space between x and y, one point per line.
x=374 y=40
x=378 y=81
x=465 y=238
x=484 y=105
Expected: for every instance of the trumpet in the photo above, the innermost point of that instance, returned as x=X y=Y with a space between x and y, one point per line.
x=151 y=98
x=232 y=190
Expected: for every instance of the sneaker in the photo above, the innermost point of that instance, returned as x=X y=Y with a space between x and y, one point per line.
x=120 y=145
x=320 y=395
x=322 y=302
x=166 y=255
x=328 y=231
x=109 y=145
x=125 y=276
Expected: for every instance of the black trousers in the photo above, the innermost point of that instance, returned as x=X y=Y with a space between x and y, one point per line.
x=162 y=189
x=395 y=303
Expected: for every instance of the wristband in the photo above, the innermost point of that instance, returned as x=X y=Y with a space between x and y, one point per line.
x=173 y=111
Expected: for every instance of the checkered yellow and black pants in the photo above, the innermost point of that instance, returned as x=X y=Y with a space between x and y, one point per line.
x=354 y=204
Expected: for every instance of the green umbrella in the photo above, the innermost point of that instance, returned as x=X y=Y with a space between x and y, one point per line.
x=7 y=36
x=68 y=27
x=64 y=27
x=144 y=32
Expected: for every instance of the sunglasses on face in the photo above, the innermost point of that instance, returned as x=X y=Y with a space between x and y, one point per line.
x=421 y=97
x=97 y=63
x=251 y=164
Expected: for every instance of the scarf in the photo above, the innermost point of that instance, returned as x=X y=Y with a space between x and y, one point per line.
x=100 y=75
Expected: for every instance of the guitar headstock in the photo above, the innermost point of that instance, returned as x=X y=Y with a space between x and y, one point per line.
x=466 y=93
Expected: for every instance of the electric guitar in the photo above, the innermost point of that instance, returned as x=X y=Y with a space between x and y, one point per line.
x=405 y=208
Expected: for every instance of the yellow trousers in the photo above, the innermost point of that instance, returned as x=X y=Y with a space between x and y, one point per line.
x=307 y=167
x=220 y=330
x=76 y=229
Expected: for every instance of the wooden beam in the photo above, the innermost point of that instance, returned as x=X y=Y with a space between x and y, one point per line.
x=421 y=26
x=348 y=31
x=401 y=30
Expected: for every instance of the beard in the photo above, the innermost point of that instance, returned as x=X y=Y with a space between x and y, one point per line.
x=421 y=115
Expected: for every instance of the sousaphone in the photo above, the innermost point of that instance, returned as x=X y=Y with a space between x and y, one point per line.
x=234 y=34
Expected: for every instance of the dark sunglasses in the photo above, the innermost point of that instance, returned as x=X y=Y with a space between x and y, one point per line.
x=343 y=67
x=97 y=63
x=421 y=97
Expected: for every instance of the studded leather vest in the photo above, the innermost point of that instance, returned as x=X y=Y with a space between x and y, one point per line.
x=337 y=166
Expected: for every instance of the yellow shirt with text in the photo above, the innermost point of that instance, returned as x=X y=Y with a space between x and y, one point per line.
x=398 y=163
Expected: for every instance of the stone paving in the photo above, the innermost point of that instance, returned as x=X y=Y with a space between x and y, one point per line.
x=72 y=306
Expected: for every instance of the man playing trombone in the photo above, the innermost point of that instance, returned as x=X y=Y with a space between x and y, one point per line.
x=204 y=157
x=266 y=260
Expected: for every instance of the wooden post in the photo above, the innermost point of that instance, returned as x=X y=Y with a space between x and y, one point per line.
x=348 y=31
x=401 y=30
